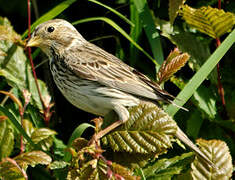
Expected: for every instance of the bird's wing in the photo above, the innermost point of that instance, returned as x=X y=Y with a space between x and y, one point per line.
x=92 y=63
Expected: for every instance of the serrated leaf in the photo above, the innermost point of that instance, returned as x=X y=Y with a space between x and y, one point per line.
x=167 y=168
x=174 y=6
x=217 y=151
x=9 y=171
x=148 y=130
x=6 y=139
x=43 y=138
x=171 y=65
x=208 y=20
x=187 y=42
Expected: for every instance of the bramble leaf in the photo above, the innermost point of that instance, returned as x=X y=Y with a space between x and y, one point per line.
x=217 y=151
x=148 y=130
x=211 y=21
x=10 y=171
x=171 y=65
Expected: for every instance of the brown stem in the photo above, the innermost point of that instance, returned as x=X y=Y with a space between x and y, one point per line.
x=45 y=111
x=220 y=86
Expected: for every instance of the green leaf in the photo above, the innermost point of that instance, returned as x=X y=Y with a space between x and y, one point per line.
x=150 y=30
x=119 y=29
x=198 y=50
x=201 y=75
x=9 y=171
x=6 y=139
x=217 y=151
x=167 y=168
x=174 y=6
x=148 y=130
x=206 y=101
x=114 y=11
x=14 y=121
x=76 y=134
x=194 y=124
x=208 y=20
x=17 y=71
x=50 y=14
x=43 y=138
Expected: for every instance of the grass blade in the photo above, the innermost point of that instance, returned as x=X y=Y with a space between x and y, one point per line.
x=51 y=14
x=114 y=11
x=202 y=73
x=150 y=29
x=119 y=29
x=76 y=134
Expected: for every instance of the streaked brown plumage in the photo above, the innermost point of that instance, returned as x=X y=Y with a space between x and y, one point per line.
x=92 y=79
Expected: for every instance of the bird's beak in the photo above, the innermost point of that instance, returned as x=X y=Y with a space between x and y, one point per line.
x=34 y=41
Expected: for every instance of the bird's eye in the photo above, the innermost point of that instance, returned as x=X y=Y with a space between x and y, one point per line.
x=50 y=29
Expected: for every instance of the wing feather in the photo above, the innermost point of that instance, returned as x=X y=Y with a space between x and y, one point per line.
x=92 y=63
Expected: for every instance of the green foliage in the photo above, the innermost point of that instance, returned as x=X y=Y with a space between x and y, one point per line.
x=211 y=21
x=148 y=130
x=150 y=30
x=10 y=171
x=141 y=142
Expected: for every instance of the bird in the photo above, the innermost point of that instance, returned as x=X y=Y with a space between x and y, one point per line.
x=94 y=80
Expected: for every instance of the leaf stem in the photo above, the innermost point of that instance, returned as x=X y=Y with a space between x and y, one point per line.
x=32 y=65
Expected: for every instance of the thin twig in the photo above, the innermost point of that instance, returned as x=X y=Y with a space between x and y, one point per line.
x=220 y=86
x=31 y=59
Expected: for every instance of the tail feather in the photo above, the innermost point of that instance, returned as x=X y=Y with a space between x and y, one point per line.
x=183 y=137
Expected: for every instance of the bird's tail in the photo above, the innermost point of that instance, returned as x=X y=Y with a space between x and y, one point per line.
x=183 y=137
x=171 y=102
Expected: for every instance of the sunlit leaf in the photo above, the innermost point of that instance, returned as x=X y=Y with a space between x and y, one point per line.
x=43 y=137
x=217 y=151
x=208 y=20
x=171 y=65
x=9 y=171
x=148 y=130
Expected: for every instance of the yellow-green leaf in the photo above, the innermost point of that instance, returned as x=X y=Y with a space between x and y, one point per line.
x=10 y=171
x=6 y=139
x=217 y=151
x=148 y=130
x=208 y=20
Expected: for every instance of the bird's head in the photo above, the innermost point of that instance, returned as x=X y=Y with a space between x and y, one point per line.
x=56 y=34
